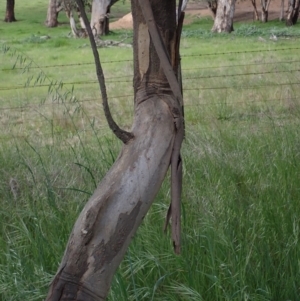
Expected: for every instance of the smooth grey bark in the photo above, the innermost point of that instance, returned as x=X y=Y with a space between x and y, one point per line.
x=111 y=217
x=224 y=18
x=100 y=16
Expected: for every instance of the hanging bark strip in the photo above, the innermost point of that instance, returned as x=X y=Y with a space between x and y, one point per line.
x=175 y=106
x=121 y=134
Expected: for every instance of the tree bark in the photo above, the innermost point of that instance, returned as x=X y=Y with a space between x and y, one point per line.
x=256 y=17
x=281 y=16
x=265 y=10
x=224 y=18
x=111 y=217
x=213 y=6
x=293 y=12
x=51 y=20
x=10 y=11
x=100 y=16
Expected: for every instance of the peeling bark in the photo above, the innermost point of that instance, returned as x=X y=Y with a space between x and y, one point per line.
x=224 y=17
x=10 y=11
x=109 y=220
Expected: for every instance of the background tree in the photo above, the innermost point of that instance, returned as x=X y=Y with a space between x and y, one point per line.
x=10 y=11
x=106 y=225
x=100 y=16
x=292 y=12
x=281 y=15
x=54 y=7
x=213 y=6
x=224 y=17
x=265 y=10
x=256 y=17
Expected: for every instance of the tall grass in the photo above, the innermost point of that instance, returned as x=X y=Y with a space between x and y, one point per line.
x=241 y=153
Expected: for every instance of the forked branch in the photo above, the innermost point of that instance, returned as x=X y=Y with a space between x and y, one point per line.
x=121 y=134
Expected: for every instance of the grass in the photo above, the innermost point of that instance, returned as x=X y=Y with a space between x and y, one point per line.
x=241 y=161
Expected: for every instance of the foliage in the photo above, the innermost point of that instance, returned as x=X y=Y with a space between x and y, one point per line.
x=241 y=162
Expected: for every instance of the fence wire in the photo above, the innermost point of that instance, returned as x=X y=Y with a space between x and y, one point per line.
x=63 y=102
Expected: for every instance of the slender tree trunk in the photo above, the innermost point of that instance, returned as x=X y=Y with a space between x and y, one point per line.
x=52 y=14
x=10 y=11
x=111 y=217
x=293 y=12
x=281 y=16
x=256 y=17
x=265 y=10
x=224 y=17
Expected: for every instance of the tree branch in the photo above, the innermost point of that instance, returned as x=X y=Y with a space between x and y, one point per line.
x=121 y=134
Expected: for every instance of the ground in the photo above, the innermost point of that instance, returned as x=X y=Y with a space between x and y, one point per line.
x=243 y=12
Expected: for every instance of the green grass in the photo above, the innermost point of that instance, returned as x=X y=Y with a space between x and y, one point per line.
x=241 y=213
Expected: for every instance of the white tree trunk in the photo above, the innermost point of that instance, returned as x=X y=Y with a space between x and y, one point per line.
x=73 y=25
x=224 y=18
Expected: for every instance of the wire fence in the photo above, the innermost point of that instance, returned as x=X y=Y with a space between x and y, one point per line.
x=68 y=106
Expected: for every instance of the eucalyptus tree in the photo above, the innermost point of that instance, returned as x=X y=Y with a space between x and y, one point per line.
x=10 y=11
x=265 y=10
x=109 y=220
x=256 y=17
x=54 y=7
x=281 y=14
x=100 y=16
x=213 y=6
x=223 y=21
x=292 y=12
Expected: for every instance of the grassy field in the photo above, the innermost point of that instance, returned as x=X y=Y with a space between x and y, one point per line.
x=241 y=213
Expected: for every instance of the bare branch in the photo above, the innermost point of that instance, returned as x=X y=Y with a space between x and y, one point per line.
x=121 y=134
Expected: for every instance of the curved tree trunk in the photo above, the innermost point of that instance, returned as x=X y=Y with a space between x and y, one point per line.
x=111 y=217
x=10 y=11
x=52 y=14
x=100 y=16
x=293 y=12
x=224 y=17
